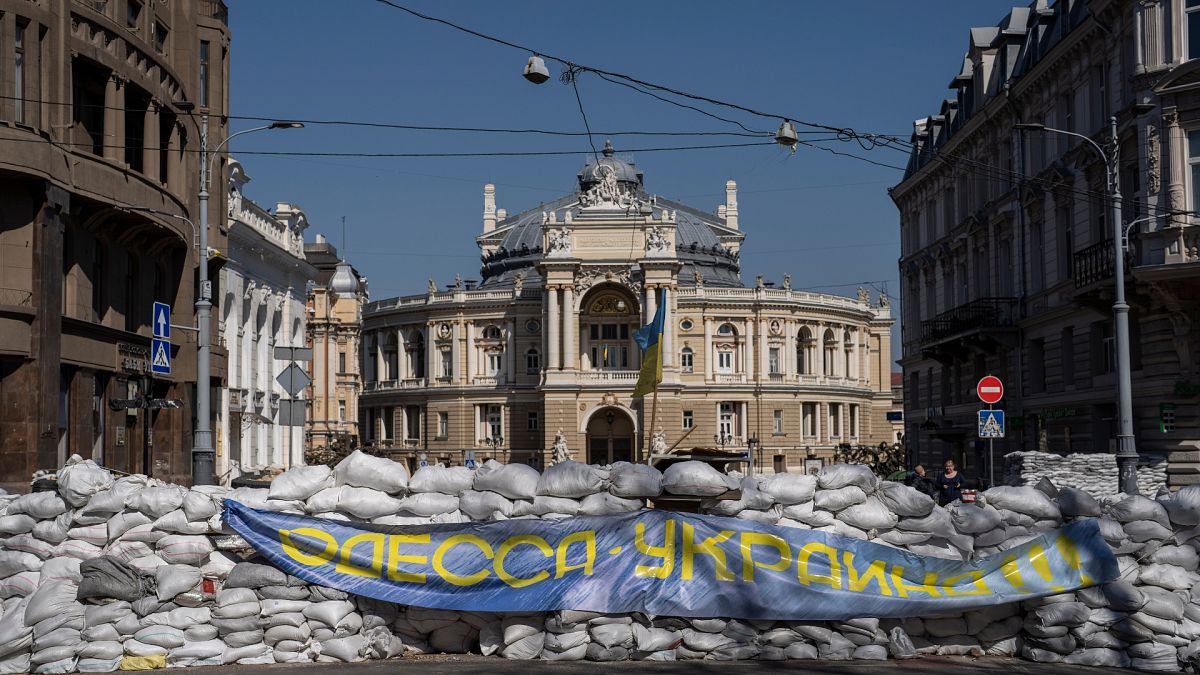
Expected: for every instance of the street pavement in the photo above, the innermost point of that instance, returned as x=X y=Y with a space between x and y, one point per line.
x=454 y=665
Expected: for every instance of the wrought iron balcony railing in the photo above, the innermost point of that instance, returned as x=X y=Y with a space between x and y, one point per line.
x=975 y=315
x=1094 y=263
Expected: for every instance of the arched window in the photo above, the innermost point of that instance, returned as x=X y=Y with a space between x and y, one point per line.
x=686 y=359
x=804 y=351
x=848 y=349
x=829 y=354
x=391 y=364
x=726 y=329
x=415 y=346
x=491 y=333
x=533 y=361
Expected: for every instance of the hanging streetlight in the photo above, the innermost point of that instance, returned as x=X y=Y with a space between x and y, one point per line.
x=535 y=70
x=786 y=135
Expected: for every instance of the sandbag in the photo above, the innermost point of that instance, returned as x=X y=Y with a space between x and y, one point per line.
x=156 y=502
x=1075 y=503
x=836 y=476
x=453 y=480
x=1025 y=500
x=367 y=503
x=479 y=505
x=603 y=503
x=836 y=499
x=38 y=505
x=634 y=480
x=361 y=470
x=514 y=481
x=108 y=577
x=172 y=580
x=974 y=519
x=429 y=504
x=183 y=549
x=77 y=482
x=789 y=488
x=301 y=482
x=572 y=480
x=696 y=479
x=869 y=515
x=904 y=500
x=12 y=562
x=1136 y=507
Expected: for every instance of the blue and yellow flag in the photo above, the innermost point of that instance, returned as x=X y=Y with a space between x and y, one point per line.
x=649 y=339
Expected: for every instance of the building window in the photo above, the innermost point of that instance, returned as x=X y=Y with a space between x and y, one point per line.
x=1104 y=358
x=533 y=422
x=495 y=423
x=494 y=363
x=854 y=433
x=204 y=46
x=835 y=420
x=689 y=420
x=1194 y=150
x=686 y=359
x=160 y=38
x=829 y=363
x=726 y=420
x=726 y=329
x=412 y=422
x=778 y=422
x=443 y=425
x=19 y=71
x=848 y=354
x=491 y=333
x=533 y=361
x=1192 y=17
x=808 y=412
x=341 y=362
x=133 y=13
x=447 y=364
x=773 y=360
x=341 y=411
x=725 y=361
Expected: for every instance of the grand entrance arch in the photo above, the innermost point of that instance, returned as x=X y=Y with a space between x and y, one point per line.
x=610 y=436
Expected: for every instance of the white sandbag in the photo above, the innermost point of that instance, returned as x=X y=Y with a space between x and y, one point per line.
x=904 y=500
x=1112 y=658
x=572 y=480
x=514 y=481
x=429 y=503
x=183 y=549
x=789 y=488
x=28 y=543
x=79 y=481
x=361 y=470
x=479 y=505
x=704 y=642
x=938 y=521
x=1023 y=499
x=367 y=503
x=330 y=612
x=452 y=480
x=801 y=651
x=96 y=535
x=1142 y=531
x=869 y=515
x=808 y=514
x=346 y=649
x=156 y=502
x=974 y=519
x=301 y=482
x=651 y=639
x=604 y=503
x=612 y=635
x=1170 y=577
x=12 y=562
x=209 y=652
x=38 y=505
x=696 y=479
x=17 y=523
x=54 y=530
x=19 y=585
x=175 y=579
x=634 y=480
x=218 y=565
x=460 y=638
x=53 y=600
x=177 y=522
x=836 y=476
x=836 y=499
x=164 y=637
x=1136 y=507
x=1180 y=556
x=121 y=523
x=323 y=502
x=200 y=506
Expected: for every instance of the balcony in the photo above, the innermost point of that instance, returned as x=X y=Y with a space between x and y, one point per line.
x=608 y=375
x=390 y=385
x=1094 y=264
x=730 y=378
x=975 y=324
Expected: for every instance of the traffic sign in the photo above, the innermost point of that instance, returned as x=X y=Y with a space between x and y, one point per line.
x=162 y=320
x=293 y=354
x=991 y=424
x=293 y=379
x=160 y=357
x=292 y=412
x=990 y=389
x=469 y=459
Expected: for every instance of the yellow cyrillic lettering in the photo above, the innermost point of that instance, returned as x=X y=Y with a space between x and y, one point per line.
x=347 y=566
x=710 y=547
x=949 y=584
x=876 y=572
x=806 y=577
x=586 y=537
x=394 y=558
x=751 y=539
x=929 y=587
x=1070 y=553
x=513 y=542
x=439 y=556
x=1012 y=572
x=666 y=552
x=1041 y=564
x=293 y=551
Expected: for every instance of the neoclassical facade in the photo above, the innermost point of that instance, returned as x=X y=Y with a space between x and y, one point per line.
x=1007 y=241
x=543 y=345
x=263 y=286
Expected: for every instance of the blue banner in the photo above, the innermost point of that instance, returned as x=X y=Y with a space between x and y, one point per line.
x=663 y=563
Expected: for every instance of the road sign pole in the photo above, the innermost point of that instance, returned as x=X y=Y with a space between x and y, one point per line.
x=991 y=459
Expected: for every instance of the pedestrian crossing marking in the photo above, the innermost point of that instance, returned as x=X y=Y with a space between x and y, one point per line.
x=991 y=424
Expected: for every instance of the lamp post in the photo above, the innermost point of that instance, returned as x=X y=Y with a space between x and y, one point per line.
x=1126 y=450
x=202 y=446
x=722 y=439
x=495 y=443
x=752 y=447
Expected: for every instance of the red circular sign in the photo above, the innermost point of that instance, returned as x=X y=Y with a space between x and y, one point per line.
x=990 y=389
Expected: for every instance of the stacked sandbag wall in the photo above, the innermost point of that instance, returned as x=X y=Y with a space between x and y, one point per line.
x=1093 y=472
x=128 y=572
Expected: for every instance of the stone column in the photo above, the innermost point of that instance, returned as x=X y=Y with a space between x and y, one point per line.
x=668 y=338
x=456 y=353
x=114 y=119
x=789 y=348
x=709 y=351
x=471 y=355
x=380 y=360
x=763 y=363
x=553 y=335
x=651 y=304
x=150 y=143
x=430 y=352
x=510 y=351
x=570 y=330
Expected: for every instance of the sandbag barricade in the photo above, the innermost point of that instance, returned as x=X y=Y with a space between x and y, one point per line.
x=130 y=573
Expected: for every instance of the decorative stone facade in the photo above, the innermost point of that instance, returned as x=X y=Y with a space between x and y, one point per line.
x=1007 y=237
x=544 y=345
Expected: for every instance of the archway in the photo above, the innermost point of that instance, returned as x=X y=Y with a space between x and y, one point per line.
x=610 y=436
x=608 y=316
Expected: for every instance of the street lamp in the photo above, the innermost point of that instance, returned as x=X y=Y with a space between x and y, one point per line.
x=722 y=439
x=752 y=448
x=1126 y=451
x=202 y=446
x=146 y=209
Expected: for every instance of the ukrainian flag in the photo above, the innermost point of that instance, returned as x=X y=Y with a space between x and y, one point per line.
x=649 y=339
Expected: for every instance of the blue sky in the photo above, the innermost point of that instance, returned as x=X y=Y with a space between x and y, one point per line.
x=826 y=220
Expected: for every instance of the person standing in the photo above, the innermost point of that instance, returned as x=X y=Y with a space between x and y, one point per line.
x=950 y=484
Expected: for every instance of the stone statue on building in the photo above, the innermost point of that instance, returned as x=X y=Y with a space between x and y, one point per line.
x=658 y=443
x=863 y=294
x=432 y=287
x=657 y=244
x=787 y=282
x=458 y=282
x=559 y=244
x=561 y=452
x=883 y=300
x=518 y=284
x=698 y=277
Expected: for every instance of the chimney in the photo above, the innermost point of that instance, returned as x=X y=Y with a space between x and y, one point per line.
x=489 y=207
x=320 y=239
x=731 y=211
x=501 y=214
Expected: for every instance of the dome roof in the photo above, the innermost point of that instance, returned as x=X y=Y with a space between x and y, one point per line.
x=595 y=171
x=343 y=282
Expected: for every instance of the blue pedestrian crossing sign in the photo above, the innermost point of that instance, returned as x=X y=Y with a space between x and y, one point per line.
x=160 y=357
x=162 y=320
x=991 y=424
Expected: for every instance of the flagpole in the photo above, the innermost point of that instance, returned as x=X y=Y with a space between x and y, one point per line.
x=653 y=417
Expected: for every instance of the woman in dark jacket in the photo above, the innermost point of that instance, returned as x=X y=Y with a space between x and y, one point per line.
x=950 y=484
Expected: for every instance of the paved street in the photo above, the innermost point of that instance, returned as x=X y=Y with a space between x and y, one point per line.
x=439 y=665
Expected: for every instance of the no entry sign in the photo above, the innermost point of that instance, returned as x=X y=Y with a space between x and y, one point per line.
x=990 y=389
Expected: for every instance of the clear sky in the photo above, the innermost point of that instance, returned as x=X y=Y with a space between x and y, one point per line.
x=827 y=220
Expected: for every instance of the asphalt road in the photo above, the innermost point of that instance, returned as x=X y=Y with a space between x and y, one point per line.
x=452 y=665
